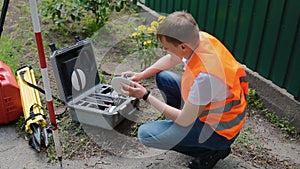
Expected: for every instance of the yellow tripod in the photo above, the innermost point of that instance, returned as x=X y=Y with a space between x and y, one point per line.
x=35 y=120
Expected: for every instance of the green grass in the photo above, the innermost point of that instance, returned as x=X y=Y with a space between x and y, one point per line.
x=19 y=40
x=9 y=52
x=244 y=139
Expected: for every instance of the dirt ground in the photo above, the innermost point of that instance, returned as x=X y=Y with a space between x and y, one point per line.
x=260 y=144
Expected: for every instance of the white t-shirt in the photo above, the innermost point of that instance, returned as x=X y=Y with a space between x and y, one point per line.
x=207 y=88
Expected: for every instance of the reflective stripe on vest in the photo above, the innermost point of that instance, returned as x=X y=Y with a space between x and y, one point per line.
x=220 y=110
x=232 y=123
x=228 y=116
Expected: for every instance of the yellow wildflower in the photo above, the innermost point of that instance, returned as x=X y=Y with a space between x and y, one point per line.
x=161 y=18
x=151 y=29
x=147 y=42
x=154 y=24
x=142 y=28
x=134 y=34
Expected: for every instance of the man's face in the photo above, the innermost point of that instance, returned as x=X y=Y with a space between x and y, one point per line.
x=172 y=48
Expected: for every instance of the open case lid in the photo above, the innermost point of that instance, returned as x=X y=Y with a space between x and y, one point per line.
x=75 y=69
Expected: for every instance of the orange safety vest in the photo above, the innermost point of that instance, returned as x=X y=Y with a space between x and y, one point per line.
x=228 y=116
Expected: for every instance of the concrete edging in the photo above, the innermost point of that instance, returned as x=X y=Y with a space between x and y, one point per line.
x=275 y=98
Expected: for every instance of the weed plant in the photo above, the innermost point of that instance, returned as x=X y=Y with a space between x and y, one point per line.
x=282 y=123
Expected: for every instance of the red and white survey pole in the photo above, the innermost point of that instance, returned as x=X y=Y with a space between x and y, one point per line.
x=46 y=81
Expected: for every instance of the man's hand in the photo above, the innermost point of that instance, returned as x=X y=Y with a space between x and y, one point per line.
x=134 y=90
x=133 y=76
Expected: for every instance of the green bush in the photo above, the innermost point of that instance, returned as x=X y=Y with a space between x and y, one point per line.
x=61 y=11
x=96 y=12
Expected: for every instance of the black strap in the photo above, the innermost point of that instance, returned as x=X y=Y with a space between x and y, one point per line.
x=39 y=89
x=32 y=115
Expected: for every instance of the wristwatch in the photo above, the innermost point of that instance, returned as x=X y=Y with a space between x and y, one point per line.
x=145 y=97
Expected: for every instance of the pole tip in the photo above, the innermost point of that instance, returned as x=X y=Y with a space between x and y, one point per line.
x=60 y=161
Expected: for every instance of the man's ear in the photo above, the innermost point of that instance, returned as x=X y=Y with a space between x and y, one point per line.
x=183 y=46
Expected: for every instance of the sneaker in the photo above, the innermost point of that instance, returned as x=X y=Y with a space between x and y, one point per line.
x=210 y=162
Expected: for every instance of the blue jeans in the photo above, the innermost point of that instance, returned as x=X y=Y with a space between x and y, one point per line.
x=197 y=140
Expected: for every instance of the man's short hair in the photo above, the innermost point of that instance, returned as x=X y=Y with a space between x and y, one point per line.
x=179 y=27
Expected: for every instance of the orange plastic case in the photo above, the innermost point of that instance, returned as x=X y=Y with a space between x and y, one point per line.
x=10 y=100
